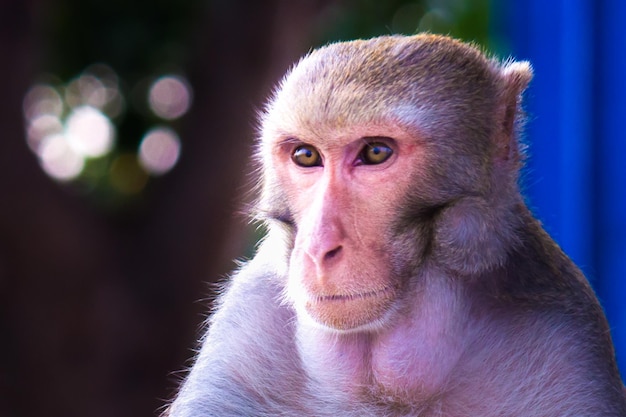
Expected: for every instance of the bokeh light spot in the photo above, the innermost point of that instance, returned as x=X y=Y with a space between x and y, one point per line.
x=89 y=132
x=42 y=99
x=406 y=19
x=159 y=150
x=71 y=126
x=40 y=127
x=97 y=87
x=435 y=21
x=169 y=97
x=86 y=90
x=126 y=175
x=58 y=159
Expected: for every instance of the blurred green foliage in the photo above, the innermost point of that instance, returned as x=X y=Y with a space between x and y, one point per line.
x=464 y=19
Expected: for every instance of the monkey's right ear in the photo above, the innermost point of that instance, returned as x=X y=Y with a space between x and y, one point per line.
x=515 y=77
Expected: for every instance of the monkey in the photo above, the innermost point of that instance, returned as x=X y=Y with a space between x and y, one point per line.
x=402 y=273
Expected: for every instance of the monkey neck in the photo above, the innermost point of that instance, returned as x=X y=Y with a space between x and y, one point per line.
x=409 y=357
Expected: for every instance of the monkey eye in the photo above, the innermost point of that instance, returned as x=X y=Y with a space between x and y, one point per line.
x=375 y=153
x=306 y=156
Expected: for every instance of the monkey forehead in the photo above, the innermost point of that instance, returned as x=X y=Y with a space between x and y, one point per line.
x=425 y=80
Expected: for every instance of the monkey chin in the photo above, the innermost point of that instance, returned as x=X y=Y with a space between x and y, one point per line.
x=365 y=311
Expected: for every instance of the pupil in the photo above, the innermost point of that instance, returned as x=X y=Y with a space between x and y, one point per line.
x=308 y=153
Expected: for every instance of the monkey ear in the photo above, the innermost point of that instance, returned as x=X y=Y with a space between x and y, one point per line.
x=516 y=76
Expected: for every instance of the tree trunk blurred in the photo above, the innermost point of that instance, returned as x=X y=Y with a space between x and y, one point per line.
x=98 y=310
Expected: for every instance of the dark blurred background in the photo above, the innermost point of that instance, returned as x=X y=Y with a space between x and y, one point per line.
x=126 y=128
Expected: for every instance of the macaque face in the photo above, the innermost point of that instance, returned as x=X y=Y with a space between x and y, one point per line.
x=343 y=189
x=348 y=155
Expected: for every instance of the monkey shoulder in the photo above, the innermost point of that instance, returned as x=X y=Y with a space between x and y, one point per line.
x=249 y=340
x=545 y=340
x=538 y=275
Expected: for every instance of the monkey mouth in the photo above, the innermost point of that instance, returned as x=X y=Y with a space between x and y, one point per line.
x=353 y=297
x=350 y=312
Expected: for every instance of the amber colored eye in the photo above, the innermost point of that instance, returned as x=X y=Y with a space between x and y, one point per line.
x=306 y=156
x=375 y=153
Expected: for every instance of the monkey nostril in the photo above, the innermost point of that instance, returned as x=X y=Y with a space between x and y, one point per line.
x=332 y=253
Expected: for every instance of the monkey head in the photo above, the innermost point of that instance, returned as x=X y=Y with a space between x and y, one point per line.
x=378 y=155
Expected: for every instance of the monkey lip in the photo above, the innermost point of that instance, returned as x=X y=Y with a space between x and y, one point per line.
x=346 y=312
x=387 y=291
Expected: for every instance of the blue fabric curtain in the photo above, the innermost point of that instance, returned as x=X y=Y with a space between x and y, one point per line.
x=575 y=178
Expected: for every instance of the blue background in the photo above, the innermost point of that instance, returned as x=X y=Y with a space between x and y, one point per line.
x=575 y=178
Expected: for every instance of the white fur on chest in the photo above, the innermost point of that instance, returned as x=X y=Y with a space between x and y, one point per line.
x=404 y=363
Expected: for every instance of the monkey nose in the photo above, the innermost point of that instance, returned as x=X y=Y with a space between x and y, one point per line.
x=323 y=240
x=333 y=253
x=324 y=259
